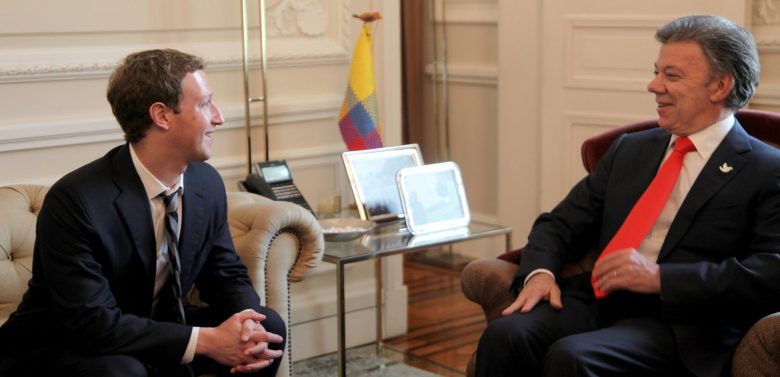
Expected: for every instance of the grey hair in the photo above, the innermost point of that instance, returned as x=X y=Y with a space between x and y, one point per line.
x=728 y=47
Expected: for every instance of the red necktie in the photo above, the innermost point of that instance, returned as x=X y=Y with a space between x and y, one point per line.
x=649 y=206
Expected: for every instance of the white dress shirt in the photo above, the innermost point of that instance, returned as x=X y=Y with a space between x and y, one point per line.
x=154 y=188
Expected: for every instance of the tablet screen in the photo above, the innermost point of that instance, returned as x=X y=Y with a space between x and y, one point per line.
x=372 y=175
x=433 y=197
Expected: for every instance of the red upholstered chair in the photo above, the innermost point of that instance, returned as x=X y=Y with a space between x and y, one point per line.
x=486 y=281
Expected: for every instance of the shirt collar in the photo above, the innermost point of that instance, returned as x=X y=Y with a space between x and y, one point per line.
x=708 y=139
x=152 y=185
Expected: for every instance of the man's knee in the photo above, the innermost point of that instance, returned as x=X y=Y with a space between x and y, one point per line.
x=508 y=345
x=274 y=323
x=566 y=350
x=570 y=356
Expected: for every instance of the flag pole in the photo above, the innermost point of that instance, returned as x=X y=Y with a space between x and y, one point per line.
x=248 y=99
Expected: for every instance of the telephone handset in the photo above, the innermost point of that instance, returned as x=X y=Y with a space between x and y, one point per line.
x=256 y=184
x=274 y=180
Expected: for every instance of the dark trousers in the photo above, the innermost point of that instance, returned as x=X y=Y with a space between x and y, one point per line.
x=621 y=335
x=69 y=363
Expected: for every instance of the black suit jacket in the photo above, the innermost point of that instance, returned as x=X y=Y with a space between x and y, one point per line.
x=94 y=265
x=720 y=261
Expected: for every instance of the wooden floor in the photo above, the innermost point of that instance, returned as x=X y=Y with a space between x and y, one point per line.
x=444 y=326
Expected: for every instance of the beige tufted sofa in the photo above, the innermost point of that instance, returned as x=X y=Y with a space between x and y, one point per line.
x=278 y=241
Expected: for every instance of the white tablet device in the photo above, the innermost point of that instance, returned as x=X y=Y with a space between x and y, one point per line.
x=372 y=175
x=433 y=197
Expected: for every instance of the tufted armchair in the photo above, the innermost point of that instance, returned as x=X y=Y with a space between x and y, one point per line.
x=278 y=241
x=486 y=281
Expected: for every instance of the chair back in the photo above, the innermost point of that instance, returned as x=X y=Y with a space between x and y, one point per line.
x=763 y=125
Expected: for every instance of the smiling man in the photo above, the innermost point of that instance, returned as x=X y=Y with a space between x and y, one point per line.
x=114 y=261
x=687 y=219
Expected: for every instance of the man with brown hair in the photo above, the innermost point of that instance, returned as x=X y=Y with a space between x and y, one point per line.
x=112 y=260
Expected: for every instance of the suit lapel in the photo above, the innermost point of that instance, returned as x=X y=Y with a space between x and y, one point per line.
x=710 y=181
x=648 y=168
x=193 y=215
x=133 y=205
x=639 y=172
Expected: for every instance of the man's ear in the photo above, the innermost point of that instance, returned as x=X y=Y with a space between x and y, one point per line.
x=721 y=87
x=159 y=114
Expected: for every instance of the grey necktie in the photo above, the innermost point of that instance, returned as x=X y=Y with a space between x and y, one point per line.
x=171 y=203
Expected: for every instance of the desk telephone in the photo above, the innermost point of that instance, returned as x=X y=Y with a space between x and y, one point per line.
x=274 y=180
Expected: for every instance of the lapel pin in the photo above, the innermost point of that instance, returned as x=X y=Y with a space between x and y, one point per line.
x=725 y=168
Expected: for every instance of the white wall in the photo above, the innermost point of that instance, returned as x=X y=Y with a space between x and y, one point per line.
x=56 y=56
x=469 y=28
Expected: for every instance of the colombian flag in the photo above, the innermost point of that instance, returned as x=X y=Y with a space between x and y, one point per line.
x=359 y=119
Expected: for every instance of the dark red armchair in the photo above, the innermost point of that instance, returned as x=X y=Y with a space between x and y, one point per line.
x=486 y=281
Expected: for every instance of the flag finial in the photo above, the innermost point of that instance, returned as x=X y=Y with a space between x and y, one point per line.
x=368 y=16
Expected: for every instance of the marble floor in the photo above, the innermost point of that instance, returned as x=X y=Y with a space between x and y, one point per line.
x=361 y=361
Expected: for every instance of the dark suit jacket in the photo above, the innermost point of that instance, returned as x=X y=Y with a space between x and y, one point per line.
x=94 y=265
x=720 y=262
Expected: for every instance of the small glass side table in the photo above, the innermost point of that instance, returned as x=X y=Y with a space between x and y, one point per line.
x=386 y=240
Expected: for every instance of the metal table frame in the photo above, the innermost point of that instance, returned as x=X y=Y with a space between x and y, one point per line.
x=477 y=230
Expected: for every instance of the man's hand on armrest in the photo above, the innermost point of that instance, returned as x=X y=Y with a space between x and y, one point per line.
x=539 y=287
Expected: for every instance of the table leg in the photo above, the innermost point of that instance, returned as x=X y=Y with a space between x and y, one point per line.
x=508 y=241
x=341 y=320
x=379 y=335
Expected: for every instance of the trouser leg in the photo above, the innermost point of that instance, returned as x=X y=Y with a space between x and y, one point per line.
x=630 y=347
x=81 y=366
x=516 y=344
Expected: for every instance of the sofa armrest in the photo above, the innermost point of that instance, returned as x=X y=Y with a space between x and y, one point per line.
x=255 y=223
x=486 y=282
x=758 y=354
x=279 y=242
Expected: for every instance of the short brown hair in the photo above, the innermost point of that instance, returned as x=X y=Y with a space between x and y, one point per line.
x=144 y=78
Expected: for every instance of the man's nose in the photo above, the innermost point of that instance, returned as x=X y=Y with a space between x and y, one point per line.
x=216 y=117
x=654 y=86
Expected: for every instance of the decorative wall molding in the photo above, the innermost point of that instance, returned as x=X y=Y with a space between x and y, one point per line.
x=578 y=127
x=767 y=95
x=233 y=168
x=468 y=74
x=59 y=133
x=765 y=25
x=296 y=17
x=58 y=64
x=621 y=60
x=299 y=34
x=767 y=46
x=466 y=12
x=603 y=121
x=766 y=12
